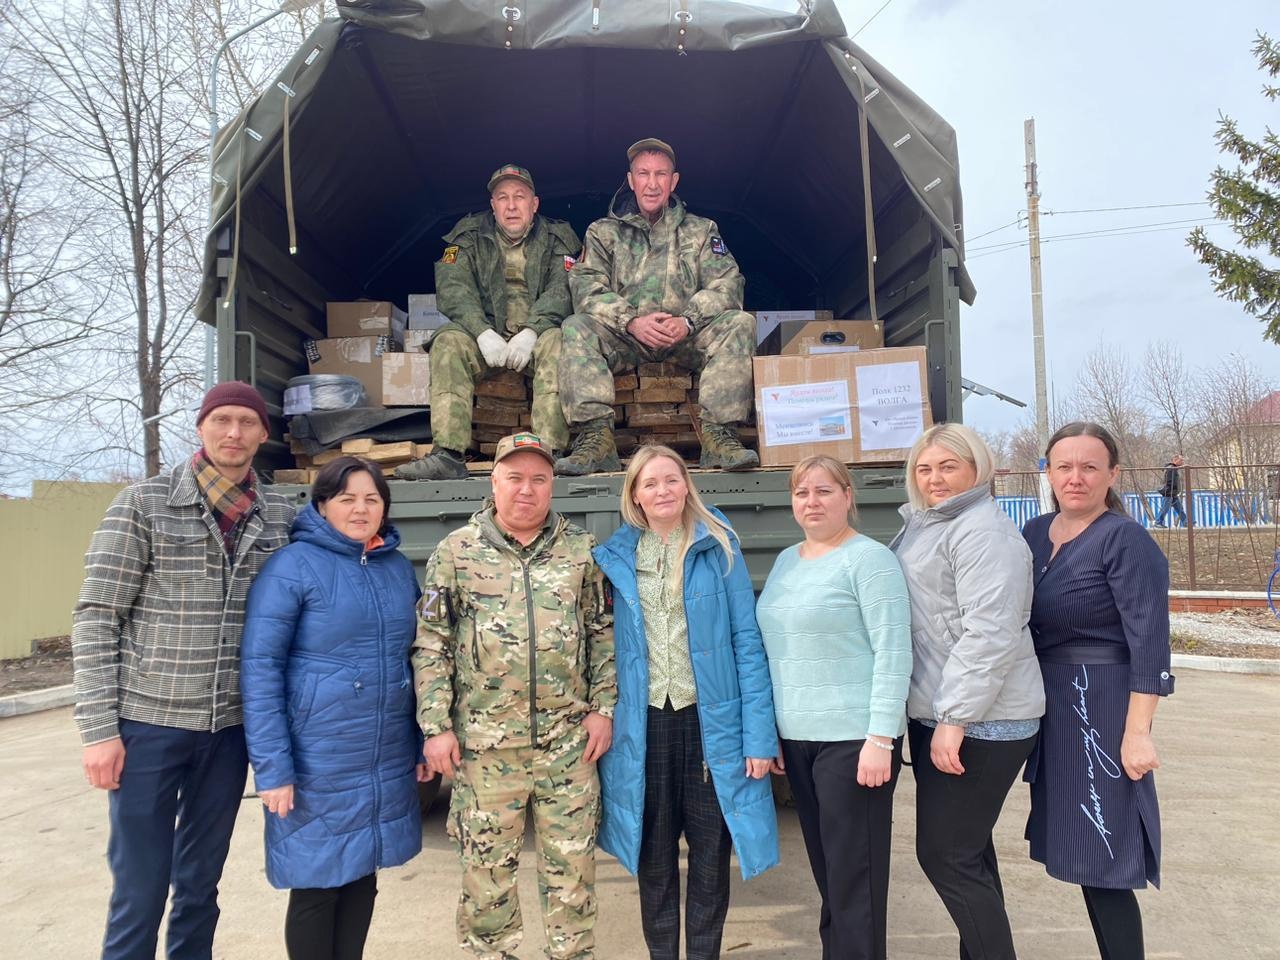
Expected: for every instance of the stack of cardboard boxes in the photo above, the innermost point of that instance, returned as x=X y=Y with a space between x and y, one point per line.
x=825 y=386
x=371 y=341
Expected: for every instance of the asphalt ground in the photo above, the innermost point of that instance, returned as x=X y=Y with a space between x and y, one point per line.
x=1219 y=789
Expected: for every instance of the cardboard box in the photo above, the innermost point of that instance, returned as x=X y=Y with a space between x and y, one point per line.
x=416 y=340
x=423 y=312
x=799 y=338
x=359 y=357
x=363 y=318
x=766 y=320
x=863 y=407
x=406 y=380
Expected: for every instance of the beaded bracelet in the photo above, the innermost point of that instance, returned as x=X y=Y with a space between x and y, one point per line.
x=882 y=746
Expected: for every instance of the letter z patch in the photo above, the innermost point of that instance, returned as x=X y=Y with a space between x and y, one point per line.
x=437 y=606
x=718 y=247
x=450 y=255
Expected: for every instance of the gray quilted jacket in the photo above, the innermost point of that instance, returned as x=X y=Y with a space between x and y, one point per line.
x=968 y=572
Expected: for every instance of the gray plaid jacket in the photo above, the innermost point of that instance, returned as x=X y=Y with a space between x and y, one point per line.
x=156 y=633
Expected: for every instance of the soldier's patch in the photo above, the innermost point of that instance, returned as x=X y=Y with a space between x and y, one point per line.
x=436 y=606
x=569 y=262
x=450 y=255
x=718 y=247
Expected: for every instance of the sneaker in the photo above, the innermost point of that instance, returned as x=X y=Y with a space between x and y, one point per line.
x=437 y=465
x=593 y=451
x=722 y=448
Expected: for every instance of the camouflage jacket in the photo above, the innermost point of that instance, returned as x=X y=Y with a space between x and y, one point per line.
x=472 y=291
x=679 y=265
x=515 y=643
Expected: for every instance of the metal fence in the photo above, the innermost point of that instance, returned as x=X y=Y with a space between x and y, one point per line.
x=1229 y=540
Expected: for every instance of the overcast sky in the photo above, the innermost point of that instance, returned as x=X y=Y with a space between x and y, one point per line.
x=1126 y=98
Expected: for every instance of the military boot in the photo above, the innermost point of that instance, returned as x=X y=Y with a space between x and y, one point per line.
x=593 y=451
x=440 y=464
x=721 y=448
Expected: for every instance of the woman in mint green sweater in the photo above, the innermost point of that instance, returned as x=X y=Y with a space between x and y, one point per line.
x=836 y=622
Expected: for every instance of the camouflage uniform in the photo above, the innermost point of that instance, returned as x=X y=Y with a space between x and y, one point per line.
x=485 y=282
x=629 y=267
x=514 y=648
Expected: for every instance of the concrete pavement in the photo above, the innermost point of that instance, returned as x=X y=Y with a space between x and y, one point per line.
x=1218 y=742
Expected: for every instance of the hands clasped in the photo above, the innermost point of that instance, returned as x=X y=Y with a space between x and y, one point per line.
x=659 y=330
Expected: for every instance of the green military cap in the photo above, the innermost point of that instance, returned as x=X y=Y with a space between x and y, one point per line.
x=522 y=441
x=510 y=171
x=650 y=144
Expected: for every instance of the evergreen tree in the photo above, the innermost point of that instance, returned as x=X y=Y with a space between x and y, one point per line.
x=1248 y=198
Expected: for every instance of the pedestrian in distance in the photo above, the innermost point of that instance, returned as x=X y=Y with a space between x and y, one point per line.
x=836 y=624
x=503 y=282
x=976 y=694
x=1100 y=622
x=693 y=733
x=516 y=687
x=156 y=647
x=329 y=710
x=655 y=284
x=1171 y=492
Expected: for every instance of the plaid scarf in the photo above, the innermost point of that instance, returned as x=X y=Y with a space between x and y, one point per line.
x=230 y=502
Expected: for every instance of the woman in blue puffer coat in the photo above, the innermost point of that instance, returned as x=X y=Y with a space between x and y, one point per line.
x=329 y=710
x=693 y=731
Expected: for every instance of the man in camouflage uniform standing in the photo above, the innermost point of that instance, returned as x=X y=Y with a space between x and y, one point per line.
x=503 y=281
x=516 y=686
x=655 y=283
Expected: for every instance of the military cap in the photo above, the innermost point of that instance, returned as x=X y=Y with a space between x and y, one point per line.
x=517 y=442
x=510 y=171
x=650 y=144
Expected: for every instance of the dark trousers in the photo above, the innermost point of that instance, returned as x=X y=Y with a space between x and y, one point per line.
x=330 y=923
x=679 y=797
x=955 y=816
x=1117 y=923
x=171 y=823
x=846 y=831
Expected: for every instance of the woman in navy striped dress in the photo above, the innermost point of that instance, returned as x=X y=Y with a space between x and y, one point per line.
x=1100 y=621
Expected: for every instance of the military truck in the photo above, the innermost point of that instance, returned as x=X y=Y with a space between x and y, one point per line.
x=834 y=186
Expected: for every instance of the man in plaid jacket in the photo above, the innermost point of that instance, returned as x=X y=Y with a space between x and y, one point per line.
x=156 y=641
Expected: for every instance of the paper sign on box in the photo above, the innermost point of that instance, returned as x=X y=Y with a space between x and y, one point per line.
x=866 y=406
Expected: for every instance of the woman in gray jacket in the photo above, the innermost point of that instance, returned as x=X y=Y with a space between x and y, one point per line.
x=976 y=695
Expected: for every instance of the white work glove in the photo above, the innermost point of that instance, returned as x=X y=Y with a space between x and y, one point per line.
x=520 y=349
x=493 y=348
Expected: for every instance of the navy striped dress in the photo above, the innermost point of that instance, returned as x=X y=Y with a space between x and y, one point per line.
x=1100 y=621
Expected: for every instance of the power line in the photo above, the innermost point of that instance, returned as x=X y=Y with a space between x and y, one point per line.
x=1141 y=206
x=872 y=17
x=1012 y=223
x=1099 y=231
x=1093 y=235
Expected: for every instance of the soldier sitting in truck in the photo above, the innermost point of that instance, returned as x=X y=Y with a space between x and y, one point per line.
x=503 y=283
x=655 y=283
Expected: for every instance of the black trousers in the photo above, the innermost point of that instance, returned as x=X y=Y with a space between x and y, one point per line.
x=679 y=797
x=330 y=923
x=955 y=816
x=1117 y=923
x=847 y=831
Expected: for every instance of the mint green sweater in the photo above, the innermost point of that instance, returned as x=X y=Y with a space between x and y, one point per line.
x=837 y=630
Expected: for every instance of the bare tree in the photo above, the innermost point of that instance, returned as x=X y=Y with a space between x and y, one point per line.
x=1166 y=385
x=118 y=124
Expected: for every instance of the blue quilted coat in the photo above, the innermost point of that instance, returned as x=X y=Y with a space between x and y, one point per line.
x=735 y=699
x=329 y=704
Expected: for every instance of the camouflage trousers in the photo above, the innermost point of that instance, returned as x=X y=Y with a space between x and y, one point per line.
x=491 y=792
x=592 y=352
x=456 y=366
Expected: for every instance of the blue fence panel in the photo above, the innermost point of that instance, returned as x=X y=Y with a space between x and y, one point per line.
x=1211 y=509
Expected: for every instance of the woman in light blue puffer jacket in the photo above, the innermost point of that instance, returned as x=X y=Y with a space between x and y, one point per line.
x=693 y=731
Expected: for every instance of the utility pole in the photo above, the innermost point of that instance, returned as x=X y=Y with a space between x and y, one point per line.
x=1037 y=300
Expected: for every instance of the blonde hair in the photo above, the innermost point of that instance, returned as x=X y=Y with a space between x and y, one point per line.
x=694 y=509
x=960 y=440
x=838 y=471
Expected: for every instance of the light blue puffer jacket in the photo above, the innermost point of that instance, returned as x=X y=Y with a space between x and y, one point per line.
x=735 y=699
x=329 y=704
